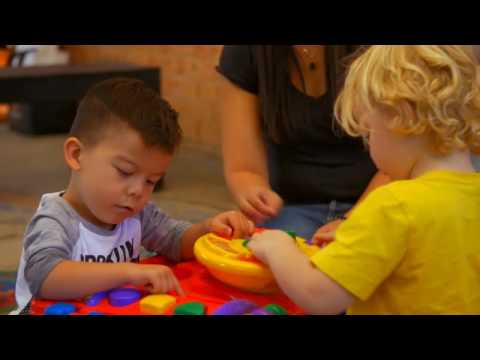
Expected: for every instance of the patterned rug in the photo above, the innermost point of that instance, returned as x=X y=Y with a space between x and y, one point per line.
x=13 y=220
x=7 y=287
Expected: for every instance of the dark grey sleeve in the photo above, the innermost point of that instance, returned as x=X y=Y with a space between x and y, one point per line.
x=161 y=233
x=47 y=243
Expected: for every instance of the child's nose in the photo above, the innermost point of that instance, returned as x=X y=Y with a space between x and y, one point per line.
x=136 y=188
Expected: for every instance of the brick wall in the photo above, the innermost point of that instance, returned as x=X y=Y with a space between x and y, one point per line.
x=189 y=81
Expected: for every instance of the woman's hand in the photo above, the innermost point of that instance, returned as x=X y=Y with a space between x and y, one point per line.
x=259 y=204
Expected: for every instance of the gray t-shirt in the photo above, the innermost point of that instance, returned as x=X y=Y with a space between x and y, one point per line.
x=57 y=233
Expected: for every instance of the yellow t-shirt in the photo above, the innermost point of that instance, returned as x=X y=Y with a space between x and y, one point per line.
x=412 y=247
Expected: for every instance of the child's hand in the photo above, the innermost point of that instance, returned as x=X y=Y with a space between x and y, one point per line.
x=260 y=204
x=326 y=234
x=158 y=279
x=267 y=242
x=231 y=224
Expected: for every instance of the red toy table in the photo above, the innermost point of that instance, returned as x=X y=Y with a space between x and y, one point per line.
x=198 y=285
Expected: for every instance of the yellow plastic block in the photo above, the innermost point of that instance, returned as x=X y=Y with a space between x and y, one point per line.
x=156 y=304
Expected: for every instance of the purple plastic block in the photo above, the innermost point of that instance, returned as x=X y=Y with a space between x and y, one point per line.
x=260 y=311
x=123 y=297
x=236 y=307
x=96 y=298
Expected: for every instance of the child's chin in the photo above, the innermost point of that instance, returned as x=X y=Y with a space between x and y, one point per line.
x=117 y=220
x=116 y=217
x=113 y=220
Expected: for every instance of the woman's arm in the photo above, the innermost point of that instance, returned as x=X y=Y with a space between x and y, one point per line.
x=244 y=153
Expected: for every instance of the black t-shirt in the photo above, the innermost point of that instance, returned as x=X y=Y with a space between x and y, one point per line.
x=326 y=164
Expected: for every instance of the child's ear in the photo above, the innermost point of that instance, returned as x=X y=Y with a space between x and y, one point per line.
x=72 y=149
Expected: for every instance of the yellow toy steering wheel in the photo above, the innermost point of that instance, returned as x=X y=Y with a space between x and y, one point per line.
x=232 y=262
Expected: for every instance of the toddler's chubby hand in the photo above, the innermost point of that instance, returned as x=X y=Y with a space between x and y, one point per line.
x=267 y=242
x=158 y=279
x=231 y=224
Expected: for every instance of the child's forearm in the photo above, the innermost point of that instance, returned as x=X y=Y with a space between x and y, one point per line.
x=190 y=236
x=72 y=279
x=305 y=285
x=292 y=270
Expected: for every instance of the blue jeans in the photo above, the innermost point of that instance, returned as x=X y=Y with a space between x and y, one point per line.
x=304 y=220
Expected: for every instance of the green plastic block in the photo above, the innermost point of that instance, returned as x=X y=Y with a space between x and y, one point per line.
x=191 y=308
x=276 y=309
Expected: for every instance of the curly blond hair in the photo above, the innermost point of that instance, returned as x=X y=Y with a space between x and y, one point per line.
x=438 y=84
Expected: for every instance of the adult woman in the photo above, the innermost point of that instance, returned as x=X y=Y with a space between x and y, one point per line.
x=286 y=164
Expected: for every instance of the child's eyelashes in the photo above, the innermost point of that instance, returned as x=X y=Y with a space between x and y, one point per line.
x=123 y=173
x=154 y=182
x=126 y=174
